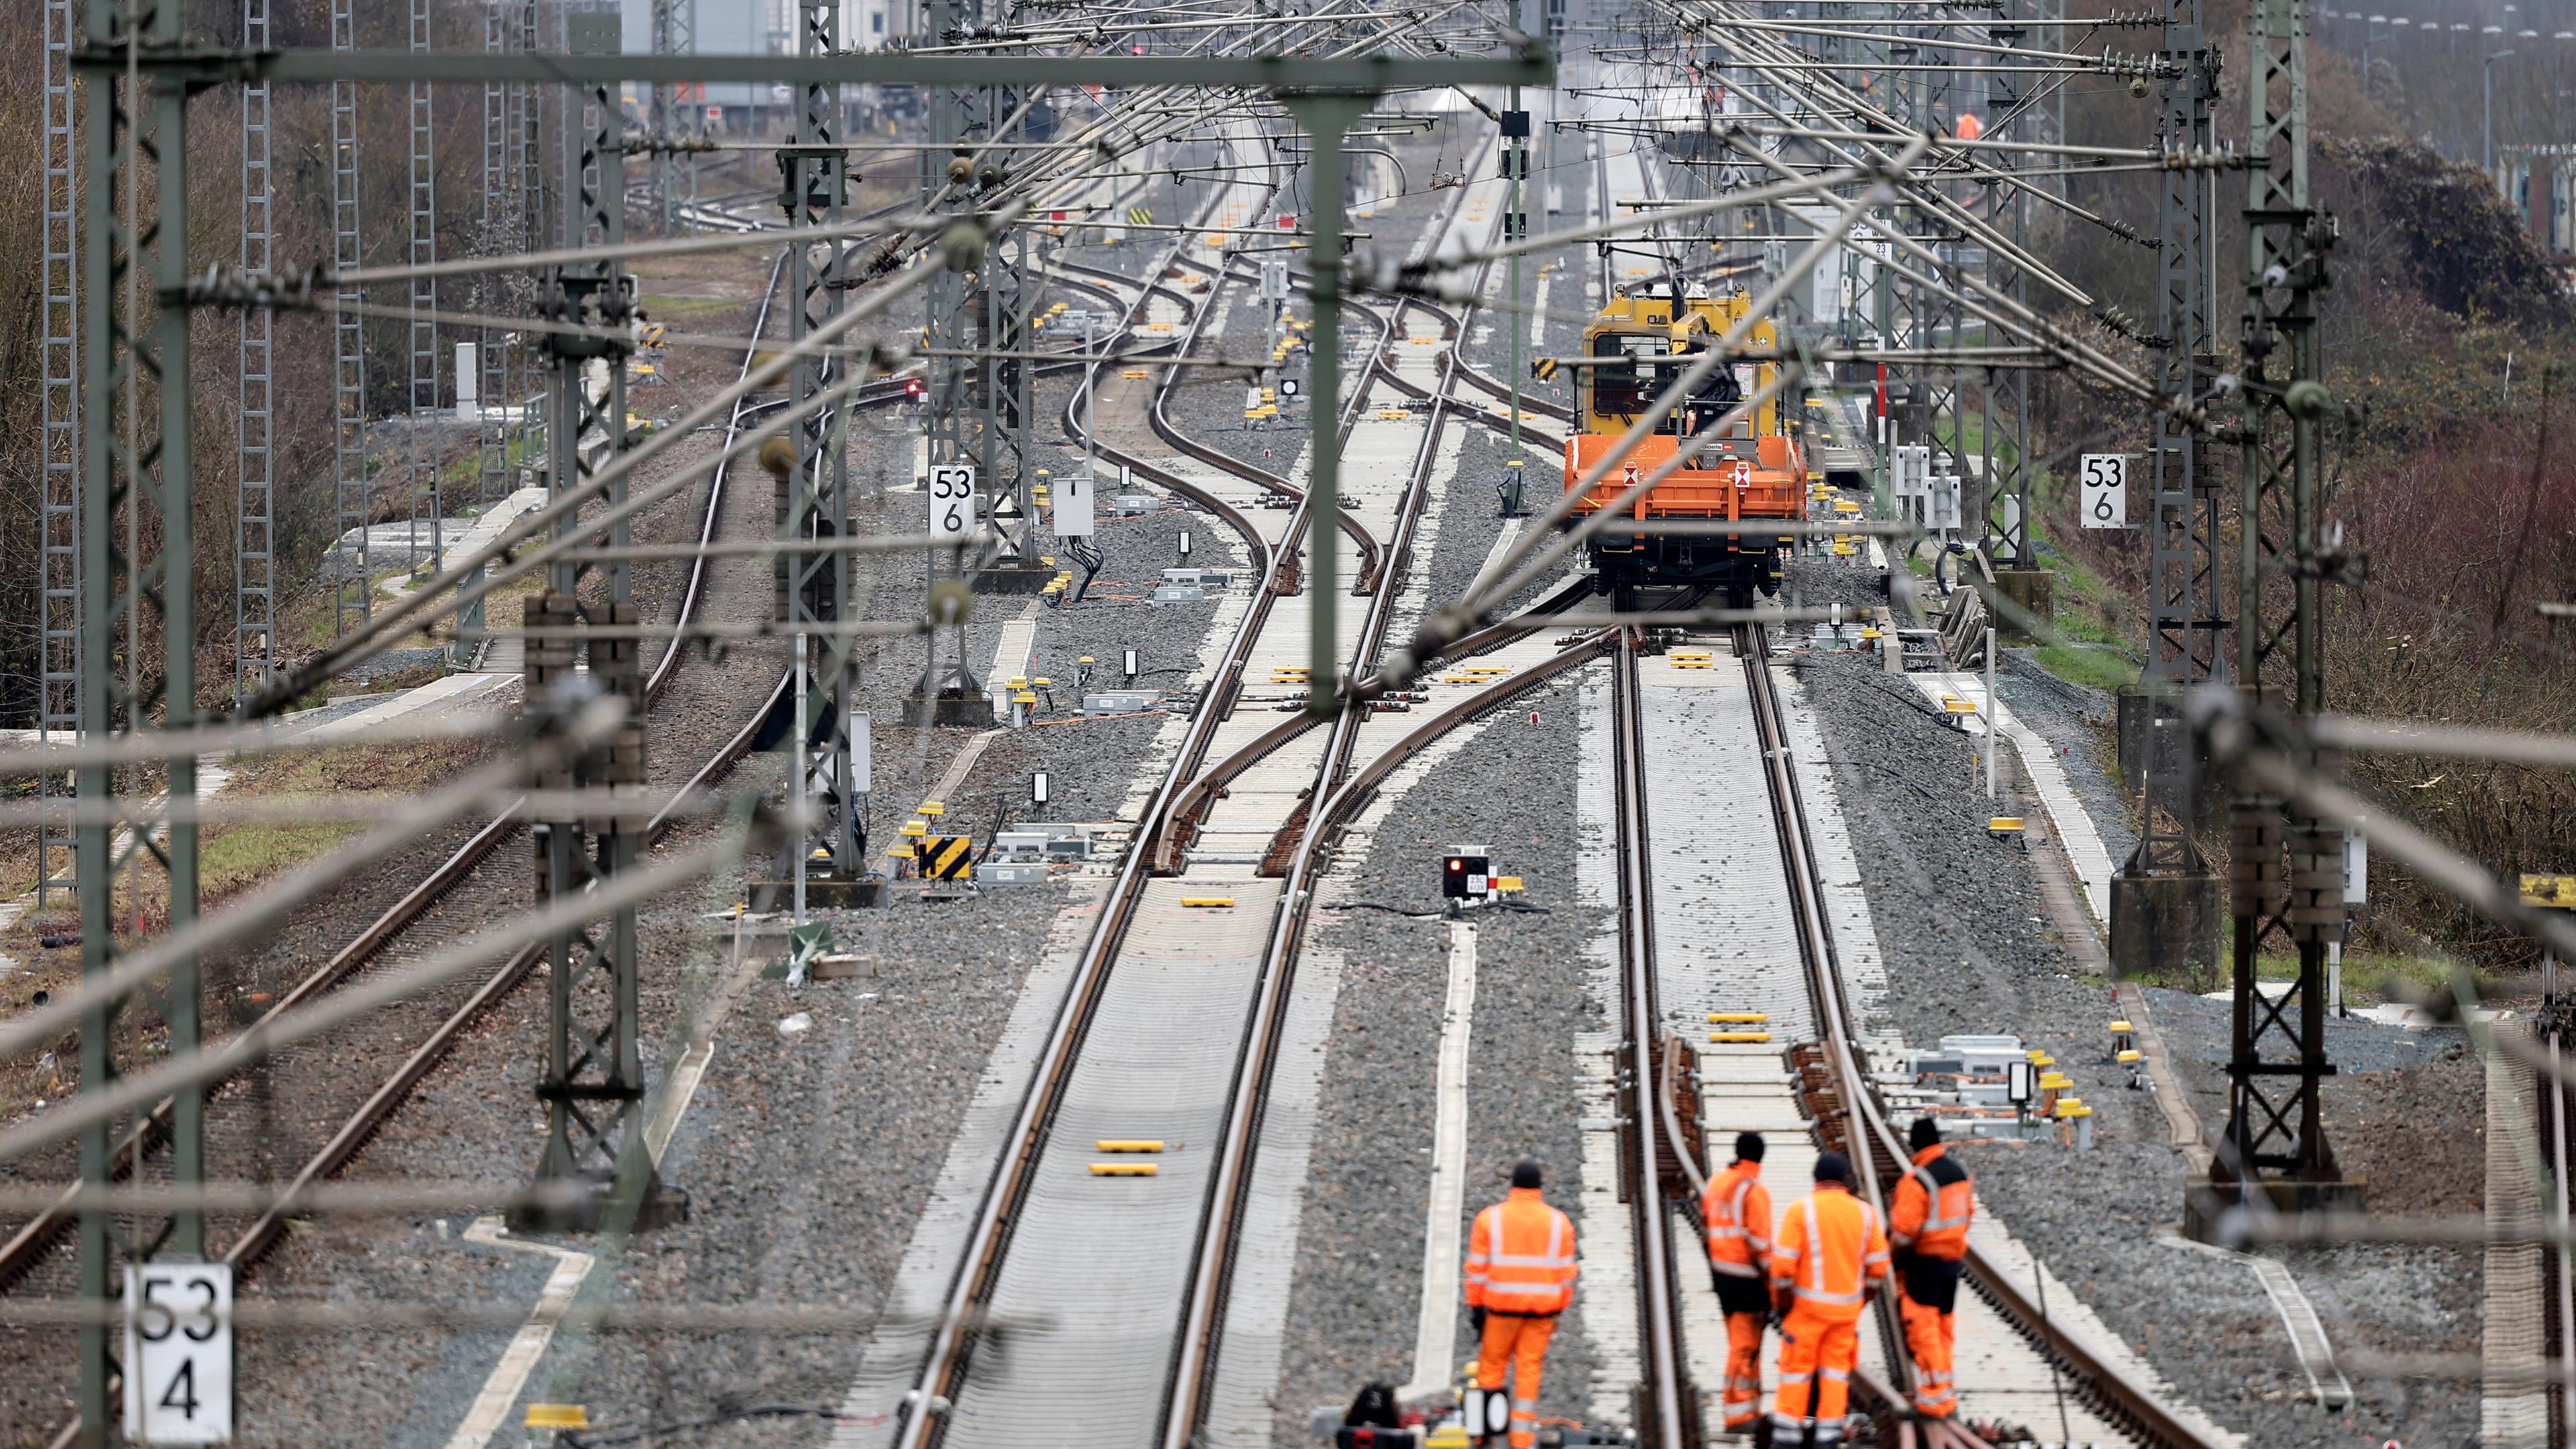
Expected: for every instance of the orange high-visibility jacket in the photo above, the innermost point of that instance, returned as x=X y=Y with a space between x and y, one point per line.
x=1737 y=1210
x=1832 y=1247
x=1934 y=1201
x=1520 y=1256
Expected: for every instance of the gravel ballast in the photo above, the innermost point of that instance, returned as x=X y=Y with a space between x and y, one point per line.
x=1969 y=949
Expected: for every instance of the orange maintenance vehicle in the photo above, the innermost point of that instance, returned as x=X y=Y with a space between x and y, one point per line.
x=1754 y=472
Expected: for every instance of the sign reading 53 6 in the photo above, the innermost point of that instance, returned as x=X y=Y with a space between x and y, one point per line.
x=2103 y=492
x=952 y=500
x=179 y=1353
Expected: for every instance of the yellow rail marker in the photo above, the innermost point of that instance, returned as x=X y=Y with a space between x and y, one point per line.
x=1124 y=1169
x=1128 y=1144
x=1739 y=1036
x=1720 y=1018
x=1207 y=900
x=933 y=807
x=2549 y=891
x=2132 y=1056
x=1132 y=372
x=558 y=1416
x=2004 y=824
x=2122 y=1026
x=1508 y=884
x=915 y=827
x=1959 y=706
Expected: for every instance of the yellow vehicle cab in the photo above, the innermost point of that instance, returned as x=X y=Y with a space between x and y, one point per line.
x=1750 y=470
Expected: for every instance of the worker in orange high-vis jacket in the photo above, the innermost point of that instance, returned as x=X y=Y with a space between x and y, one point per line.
x=1928 y=1227
x=1520 y=1276
x=1831 y=1256
x=1736 y=1210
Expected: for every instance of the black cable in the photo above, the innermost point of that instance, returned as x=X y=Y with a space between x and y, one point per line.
x=576 y=1439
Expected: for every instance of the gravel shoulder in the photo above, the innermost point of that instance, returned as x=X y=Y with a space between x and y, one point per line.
x=1968 y=949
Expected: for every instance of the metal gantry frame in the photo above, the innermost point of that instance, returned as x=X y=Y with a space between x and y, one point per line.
x=2275 y=1146
x=58 y=516
x=352 y=491
x=421 y=398
x=254 y=491
x=135 y=468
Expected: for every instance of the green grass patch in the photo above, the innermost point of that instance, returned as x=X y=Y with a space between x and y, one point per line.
x=682 y=309
x=2369 y=977
x=2100 y=667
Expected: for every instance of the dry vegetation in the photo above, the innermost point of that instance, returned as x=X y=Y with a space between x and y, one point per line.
x=2448 y=468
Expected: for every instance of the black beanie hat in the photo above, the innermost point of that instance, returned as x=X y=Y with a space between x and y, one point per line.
x=1924 y=1133
x=1525 y=1172
x=1748 y=1147
x=1833 y=1167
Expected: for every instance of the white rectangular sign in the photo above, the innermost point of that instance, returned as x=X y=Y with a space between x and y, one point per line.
x=2103 y=490
x=860 y=752
x=952 y=501
x=1073 y=501
x=2356 y=869
x=179 y=1353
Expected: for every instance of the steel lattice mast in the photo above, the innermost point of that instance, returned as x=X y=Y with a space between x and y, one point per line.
x=352 y=493
x=134 y=462
x=2164 y=902
x=58 y=515
x=421 y=397
x=254 y=493
x=593 y=1081
x=675 y=32
x=813 y=494
x=2275 y=1144
x=491 y=357
x=960 y=422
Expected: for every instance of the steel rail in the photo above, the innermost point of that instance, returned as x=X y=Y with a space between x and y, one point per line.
x=1194 y=1374
x=1873 y=1139
x=19 y=1254
x=924 y=1415
x=1666 y=1400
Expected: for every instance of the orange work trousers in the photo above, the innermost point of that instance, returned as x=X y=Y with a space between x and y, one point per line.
x=1817 y=1356
x=1743 y=1369
x=1931 y=1336
x=1518 y=1342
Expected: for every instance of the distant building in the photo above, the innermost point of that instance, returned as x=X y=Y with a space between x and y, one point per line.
x=768 y=27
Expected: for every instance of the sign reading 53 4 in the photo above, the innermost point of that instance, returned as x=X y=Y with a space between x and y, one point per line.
x=179 y=1353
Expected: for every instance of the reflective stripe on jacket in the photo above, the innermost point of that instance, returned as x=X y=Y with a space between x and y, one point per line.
x=1934 y=1203
x=1520 y=1256
x=1737 y=1211
x=1832 y=1247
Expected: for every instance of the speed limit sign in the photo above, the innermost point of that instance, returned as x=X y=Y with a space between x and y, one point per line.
x=952 y=501
x=2103 y=494
x=179 y=1353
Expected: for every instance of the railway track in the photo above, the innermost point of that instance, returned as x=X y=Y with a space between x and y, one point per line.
x=1173 y=1013
x=392 y=928
x=2017 y=1365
